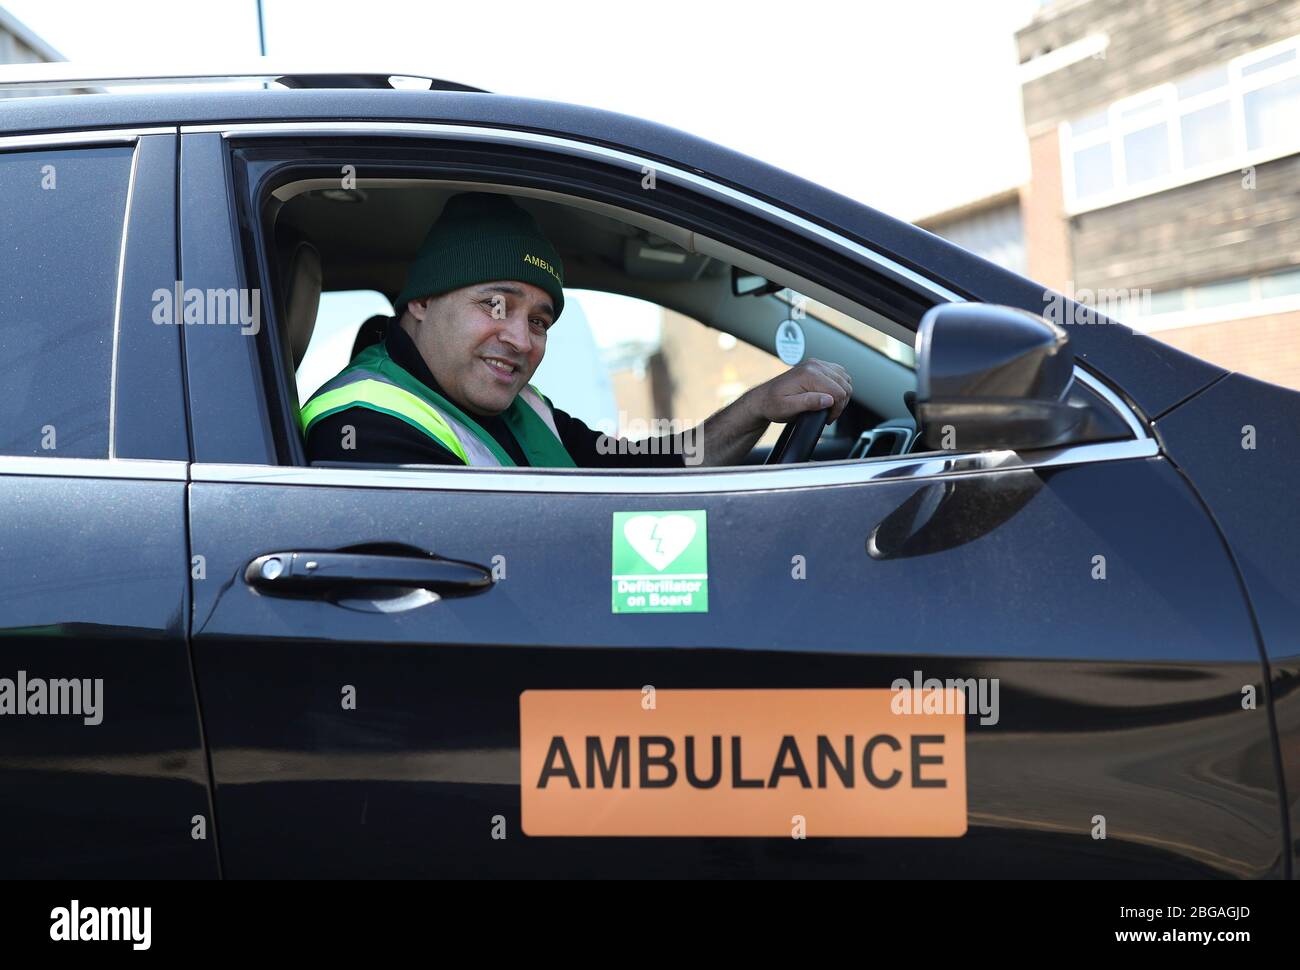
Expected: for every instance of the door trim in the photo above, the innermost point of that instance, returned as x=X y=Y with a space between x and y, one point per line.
x=569 y=146
x=665 y=481
x=86 y=136
x=160 y=470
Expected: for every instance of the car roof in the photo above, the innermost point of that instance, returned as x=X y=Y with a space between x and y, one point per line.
x=1155 y=375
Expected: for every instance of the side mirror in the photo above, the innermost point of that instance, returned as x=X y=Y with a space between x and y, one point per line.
x=994 y=377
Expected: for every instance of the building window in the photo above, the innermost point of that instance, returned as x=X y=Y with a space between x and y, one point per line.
x=1207 y=135
x=1273 y=114
x=1231 y=116
x=1215 y=302
x=1093 y=170
x=1146 y=154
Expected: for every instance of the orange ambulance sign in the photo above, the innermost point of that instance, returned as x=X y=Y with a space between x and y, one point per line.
x=741 y=763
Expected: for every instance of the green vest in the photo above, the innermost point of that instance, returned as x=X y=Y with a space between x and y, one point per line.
x=375 y=381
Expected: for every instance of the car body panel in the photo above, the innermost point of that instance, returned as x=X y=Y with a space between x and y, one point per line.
x=227 y=406
x=94 y=574
x=1238 y=443
x=150 y=420
x=1134 y=715
x=95 y=589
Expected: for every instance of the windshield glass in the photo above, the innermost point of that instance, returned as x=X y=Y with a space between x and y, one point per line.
x=887 y=345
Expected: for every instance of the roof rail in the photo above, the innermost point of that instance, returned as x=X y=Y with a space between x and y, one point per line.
x=66 y=74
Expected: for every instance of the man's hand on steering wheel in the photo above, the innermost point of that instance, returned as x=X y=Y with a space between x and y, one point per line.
x=808 y=394
x=805 y=398
x=811 y=385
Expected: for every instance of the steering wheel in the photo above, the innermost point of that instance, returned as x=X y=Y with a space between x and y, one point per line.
x=799 y=438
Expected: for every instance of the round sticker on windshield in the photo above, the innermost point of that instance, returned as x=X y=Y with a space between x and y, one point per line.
x=789 y=342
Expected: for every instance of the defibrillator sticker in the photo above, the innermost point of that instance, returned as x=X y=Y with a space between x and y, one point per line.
x=660 y=562
x=807 y=763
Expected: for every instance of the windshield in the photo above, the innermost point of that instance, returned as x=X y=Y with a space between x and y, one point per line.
x=862 y=332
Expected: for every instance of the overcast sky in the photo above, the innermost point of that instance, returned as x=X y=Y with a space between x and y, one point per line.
x=911 y=107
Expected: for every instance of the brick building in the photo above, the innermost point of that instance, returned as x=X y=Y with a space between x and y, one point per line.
x=19 y=44
x=1164 y=149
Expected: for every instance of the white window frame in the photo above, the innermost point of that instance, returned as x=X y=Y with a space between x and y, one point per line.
x=1170 y=110
x=1192 y=315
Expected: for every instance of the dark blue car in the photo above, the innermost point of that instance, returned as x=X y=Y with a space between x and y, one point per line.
x=217 y=658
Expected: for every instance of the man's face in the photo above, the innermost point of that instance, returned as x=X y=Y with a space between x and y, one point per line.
x=484 y=342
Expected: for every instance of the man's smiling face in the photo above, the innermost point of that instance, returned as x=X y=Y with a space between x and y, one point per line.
x=483 y=342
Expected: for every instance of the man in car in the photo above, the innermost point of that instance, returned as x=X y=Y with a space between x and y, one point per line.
x=448 y=385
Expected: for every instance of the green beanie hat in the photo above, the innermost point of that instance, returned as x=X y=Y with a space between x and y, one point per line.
x=480 y=238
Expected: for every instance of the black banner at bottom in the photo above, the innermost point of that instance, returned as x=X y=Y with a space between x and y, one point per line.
x=137 y=920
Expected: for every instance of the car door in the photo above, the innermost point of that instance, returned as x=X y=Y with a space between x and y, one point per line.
x=102 y=767
x=357 y=730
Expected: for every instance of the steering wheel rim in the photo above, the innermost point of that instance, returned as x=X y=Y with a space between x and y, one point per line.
x=799 y=439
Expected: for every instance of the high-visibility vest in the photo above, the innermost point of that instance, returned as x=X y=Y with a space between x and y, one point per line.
x=374 y=381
